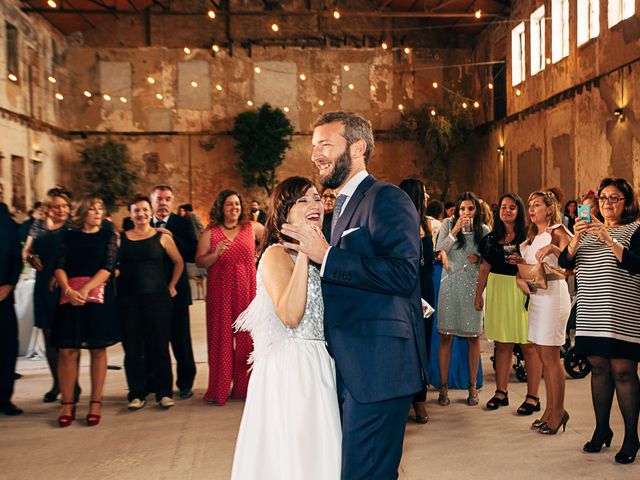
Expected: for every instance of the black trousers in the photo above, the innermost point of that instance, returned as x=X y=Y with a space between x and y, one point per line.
x=181 y=345
x=146 y=321
x=8 y=348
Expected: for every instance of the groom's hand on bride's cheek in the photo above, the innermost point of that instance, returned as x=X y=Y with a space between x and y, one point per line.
x=311 y=243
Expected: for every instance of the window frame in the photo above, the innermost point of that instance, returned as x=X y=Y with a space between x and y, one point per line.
x=518 y=64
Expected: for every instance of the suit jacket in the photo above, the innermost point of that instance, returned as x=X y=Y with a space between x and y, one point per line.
x=10 y=257
x=187 y=242
x=373 y=316
x=262 y=217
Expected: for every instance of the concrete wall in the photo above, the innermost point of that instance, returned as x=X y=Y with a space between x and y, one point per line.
x=574 y=140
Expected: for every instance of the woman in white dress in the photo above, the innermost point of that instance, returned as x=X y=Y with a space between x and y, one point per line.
x=548 y=308
x=290 y=427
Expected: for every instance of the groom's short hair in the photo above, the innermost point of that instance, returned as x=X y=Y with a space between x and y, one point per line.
x=355 y=128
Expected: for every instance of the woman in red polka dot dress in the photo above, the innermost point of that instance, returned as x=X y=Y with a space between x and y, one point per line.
x=227 y=251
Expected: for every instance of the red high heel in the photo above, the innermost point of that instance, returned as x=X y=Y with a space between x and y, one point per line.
x=93 y=419
x=65 y=420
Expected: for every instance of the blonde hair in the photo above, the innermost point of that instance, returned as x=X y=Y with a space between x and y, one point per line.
x=487 y=214
x=80 y=214
x=550 y=200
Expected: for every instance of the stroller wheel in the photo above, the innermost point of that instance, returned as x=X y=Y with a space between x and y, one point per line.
x=577 y=366
x=521 y=373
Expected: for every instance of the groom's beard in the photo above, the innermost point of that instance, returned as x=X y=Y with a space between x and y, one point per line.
x=340 y=172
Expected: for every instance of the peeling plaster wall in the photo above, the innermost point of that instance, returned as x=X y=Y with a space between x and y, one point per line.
x=578 y=139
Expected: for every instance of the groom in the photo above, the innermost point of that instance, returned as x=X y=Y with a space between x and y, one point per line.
x=373 y=321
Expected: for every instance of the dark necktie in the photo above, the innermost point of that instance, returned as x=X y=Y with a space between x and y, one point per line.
x=161 y=224
x=337 y=209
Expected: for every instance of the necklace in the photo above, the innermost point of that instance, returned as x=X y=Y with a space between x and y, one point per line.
x=229 y=228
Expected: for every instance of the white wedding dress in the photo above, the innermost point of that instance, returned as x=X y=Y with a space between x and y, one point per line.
x=290 y=427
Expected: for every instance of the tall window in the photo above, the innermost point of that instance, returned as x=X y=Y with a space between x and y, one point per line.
x=620 y=10
x=12 y=49
x=517 y=54
x=537 y=41
x=588 y=20
x=559 y=29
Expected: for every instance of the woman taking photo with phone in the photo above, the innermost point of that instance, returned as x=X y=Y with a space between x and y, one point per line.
x=606 y=257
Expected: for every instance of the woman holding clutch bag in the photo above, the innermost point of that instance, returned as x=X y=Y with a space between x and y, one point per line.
x=548 y=308
x=86 y=315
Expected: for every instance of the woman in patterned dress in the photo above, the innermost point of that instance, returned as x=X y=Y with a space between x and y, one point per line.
x=227 y=251
x=606 y=256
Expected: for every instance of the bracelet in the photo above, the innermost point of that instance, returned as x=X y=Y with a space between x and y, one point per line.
x=613 y=242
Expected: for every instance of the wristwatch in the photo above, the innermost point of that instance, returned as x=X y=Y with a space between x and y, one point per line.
x=613 y=242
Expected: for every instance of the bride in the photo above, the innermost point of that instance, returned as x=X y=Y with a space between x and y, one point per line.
x=290 y=427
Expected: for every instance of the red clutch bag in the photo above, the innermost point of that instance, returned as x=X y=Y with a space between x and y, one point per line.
x=96 y=294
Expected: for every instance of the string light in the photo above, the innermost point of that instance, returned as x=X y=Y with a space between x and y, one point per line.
x=407 y=50
x=52 y=4
x=87 y=94
x=187 y=50
x=51 y=79
x=123 y=99
x=151 y=80
x=194 y=84
x=384 y=45
x=336 y=14
x=435 y=84
x=464 y=105
x=518 y=92
x=478 y=13
x=476 y=104
x=275 y=27
x=250 y=103
x=351 y=86
x=346 y=68
x=12 y=77
x=159 y=96
x=548 y=60
x=211 y=14
x=400 y=107
x=321 y=103
x=433 y=112
x=490 y=86
x=303 y=77
x=219 y=87
x=107 y=97
x=286 y=109
x=215 y=48
x=373 y=88
x=257 y=70
x=59 y=96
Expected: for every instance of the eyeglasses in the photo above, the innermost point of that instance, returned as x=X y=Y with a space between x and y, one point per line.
x=613 y=199
x=332 y=197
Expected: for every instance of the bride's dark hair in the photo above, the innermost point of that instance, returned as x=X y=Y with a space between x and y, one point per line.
x=284 y=196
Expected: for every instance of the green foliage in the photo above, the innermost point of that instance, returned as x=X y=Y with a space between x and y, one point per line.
x=439 y=135
x=263 y=136
x=109 y=173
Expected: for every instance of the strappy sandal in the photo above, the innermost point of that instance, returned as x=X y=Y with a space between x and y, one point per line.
x=443 y=398
x=472 y=400
x=528 y=408
x=496 y=402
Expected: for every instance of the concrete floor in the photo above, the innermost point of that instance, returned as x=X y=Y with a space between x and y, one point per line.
x=195 y=440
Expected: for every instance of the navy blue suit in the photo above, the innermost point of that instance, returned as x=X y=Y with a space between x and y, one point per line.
x=374 y=326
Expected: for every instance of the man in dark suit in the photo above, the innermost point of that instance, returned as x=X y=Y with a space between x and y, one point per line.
x=10 y=266
x=256 y=214
x=184 y=235
x=373 y=319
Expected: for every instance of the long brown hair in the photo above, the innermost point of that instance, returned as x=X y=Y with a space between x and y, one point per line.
x=82 y=210
x=284 y=196
x=217 y=210
x=550 y=200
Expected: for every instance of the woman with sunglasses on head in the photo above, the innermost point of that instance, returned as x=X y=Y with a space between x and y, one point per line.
x=606 y=257
x=548 y=308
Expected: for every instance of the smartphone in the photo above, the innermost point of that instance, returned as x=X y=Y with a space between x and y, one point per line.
x=584 y=212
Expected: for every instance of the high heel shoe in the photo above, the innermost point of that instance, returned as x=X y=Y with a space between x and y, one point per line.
x=496 y=402
x=472 y=400
x=420 y=410
x=65 y=420
x=547 y=430
x=624 y=457
x=594 y=446
x=93 y=419
x=443 y=398
x=538 y=424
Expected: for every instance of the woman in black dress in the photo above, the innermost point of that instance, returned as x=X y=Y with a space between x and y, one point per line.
x=144 y=301
x=40 y=250
x=86 y=316
x=417 y=192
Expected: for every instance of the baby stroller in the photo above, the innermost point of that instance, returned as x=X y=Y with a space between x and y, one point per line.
x=576 y=365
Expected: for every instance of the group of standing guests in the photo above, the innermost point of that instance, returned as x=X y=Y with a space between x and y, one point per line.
x=483 y=291
x=80 y=304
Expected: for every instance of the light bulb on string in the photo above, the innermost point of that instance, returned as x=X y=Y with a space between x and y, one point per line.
x=384 y=45
x=407 y=50
x=12 y=77
x=464 y=105
x=52 y=4
x=476 y=104
x=194 y=84
x=346 y=68
x=548 y=60
x=250 y=103
x=211 y=14
x=187 y=50
x=490 y=86
x=303 y=77
x=159 y=96
x=286 y=109
x=219 y=87
x=257 y=70
x=107 y=97
x=87 y=94
x=351 y=86
x=518 y=92
x=434 y=84
x=51 y=79
x=372 y=88
x=59 y=96
x=400 y=107
x=123 y=99
x=336 y=14
x=215 y=48
x=151 y=80
x=478 y=13
x=433 y=112
x=321 y=103
x=275 y=27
